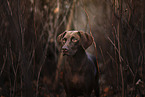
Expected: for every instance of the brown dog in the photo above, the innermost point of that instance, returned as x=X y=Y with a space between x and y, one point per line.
x=80 y=73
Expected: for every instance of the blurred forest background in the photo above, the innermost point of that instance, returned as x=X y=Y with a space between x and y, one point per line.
x=30 y=60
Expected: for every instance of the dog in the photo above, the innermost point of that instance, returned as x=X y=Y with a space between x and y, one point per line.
x=80 y=71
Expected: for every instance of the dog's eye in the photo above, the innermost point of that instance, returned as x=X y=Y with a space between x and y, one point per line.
x=64 y=40
x=74 y=40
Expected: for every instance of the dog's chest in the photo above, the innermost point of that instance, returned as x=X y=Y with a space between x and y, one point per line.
x=77 y=79
x=74 y=75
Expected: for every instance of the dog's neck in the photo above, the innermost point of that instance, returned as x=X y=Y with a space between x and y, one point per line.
x=77 y=60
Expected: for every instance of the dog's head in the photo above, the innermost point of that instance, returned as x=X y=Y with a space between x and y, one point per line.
x=72 y=40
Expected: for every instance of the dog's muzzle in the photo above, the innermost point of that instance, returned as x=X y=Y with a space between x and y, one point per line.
x=65 y=50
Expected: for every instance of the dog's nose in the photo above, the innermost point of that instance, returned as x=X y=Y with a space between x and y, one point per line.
x=65 y=48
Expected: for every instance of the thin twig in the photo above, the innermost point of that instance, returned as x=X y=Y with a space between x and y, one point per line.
x=34 y=10
x=142 y=36
x=4 y=63
x=71 y=15
x=112 y=58
x=12 y=60
x=119 y=48
x=115 y=47
x=42 y=63
x=102 y=55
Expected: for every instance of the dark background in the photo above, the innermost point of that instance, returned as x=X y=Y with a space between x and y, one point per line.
x=30 y=59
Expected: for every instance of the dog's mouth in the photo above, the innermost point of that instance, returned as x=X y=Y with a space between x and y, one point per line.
x=68 y=52
x=65 y=52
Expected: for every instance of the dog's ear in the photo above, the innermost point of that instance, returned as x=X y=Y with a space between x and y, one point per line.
x=85 y=39
x=59 y=38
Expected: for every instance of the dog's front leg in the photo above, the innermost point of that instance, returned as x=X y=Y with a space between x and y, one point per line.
x=69 y=95
x=86 y=95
